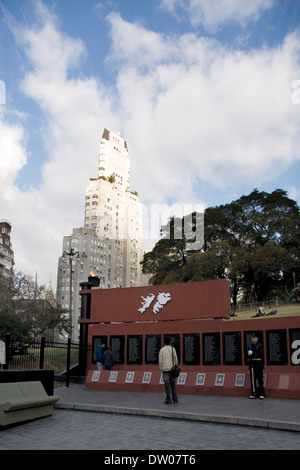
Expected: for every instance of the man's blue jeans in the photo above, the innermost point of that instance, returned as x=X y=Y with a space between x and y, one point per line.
x=170 y=386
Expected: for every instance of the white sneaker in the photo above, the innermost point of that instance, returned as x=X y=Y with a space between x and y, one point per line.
x=252 y=397
x=261 y=397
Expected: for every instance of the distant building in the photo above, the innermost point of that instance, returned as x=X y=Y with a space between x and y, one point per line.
x=6 y=251
x=110 y=243
x=49 y=297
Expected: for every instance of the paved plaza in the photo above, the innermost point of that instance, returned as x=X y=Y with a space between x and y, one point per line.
x=132 y=421
x=89 y=430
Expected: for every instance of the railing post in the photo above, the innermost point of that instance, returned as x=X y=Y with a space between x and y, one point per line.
x=42 y=353
x=68 y=362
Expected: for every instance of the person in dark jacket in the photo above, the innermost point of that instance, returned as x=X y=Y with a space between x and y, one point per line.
x=108 y=359
x=256 y=366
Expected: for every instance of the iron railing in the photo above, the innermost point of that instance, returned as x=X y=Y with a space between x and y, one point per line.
x=62 y=357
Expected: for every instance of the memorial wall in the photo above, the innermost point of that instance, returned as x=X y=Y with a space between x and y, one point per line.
x=218 y=348
x=211 y=346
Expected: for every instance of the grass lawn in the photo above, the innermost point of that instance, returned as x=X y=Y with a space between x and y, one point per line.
x=54 y=358
x=286 y=310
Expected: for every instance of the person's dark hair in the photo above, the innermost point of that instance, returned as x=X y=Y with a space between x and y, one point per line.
x=167 y=340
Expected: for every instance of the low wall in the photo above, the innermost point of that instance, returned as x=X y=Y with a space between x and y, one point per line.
x=277 y=385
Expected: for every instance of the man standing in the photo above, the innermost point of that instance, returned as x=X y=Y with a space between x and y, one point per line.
x=108 y=359
x=99 y=356
x=168 y=358
x=256 y=366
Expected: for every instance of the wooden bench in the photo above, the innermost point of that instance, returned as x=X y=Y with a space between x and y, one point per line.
x=24 y=401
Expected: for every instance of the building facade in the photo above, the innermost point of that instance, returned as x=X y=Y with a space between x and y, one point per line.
x=110 y=244
x=6 y=251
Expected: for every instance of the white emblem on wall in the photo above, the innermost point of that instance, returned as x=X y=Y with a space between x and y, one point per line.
x=146 y=302
x=162 y=299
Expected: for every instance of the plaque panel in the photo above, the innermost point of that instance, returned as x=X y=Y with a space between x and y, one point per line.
x=129 y=377
x=200 y=380
x=147 y=377
x=191 y=349
x=232 y=348
x=239 y=380
x=219 y=380
x=211 y=349
x=95 y=375
x=182 y=378
x=295 y=346
x=117 y=344
x=276 y=347
x=152 y=347
x=113 y=376
x=96 y=341
x=134 y=349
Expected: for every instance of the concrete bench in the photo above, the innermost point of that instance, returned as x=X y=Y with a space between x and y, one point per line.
x=23 y=401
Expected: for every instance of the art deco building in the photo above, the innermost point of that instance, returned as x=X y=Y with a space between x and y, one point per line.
x=6 y=251
x=110 y=243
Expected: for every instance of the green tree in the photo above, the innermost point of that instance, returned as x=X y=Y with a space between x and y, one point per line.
x=164 y=260
x=170 y=253
x=25 y=312
x=296 y=292
x=253 y=241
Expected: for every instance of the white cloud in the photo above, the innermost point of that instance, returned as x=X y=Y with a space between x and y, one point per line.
x=293 y=193
x=215 y=13
x=12 y=151
x=75 y=110
x=196 y=111
x=189 y=109
x=151 y=47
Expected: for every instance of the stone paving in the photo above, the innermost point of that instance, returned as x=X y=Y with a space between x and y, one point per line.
x=131 y=422
x=87 y=430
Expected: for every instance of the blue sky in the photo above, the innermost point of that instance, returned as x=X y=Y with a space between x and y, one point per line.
x=206 y=94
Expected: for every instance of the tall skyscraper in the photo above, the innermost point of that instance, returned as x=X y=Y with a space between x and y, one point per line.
x=110 y=243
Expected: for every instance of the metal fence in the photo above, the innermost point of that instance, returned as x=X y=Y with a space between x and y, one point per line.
x=61 y=357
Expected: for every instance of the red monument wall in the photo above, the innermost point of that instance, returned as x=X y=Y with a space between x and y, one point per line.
x=211 y=346
x=195 y=300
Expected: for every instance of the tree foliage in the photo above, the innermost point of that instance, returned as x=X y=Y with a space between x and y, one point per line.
x=26 y=313
x=254 y=242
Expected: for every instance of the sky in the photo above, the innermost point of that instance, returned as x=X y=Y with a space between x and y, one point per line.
x=205 y=92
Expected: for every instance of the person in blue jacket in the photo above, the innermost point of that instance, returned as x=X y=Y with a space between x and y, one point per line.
x=99 y=356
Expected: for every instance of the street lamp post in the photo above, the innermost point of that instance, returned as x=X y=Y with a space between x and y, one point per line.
x=70 y=254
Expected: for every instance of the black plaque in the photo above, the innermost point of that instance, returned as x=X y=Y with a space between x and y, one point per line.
x=247 y=341
x=295 y=346
x=96 y=341
x=276 y=347
x=191 y=349
x=117 y=344
x=232 y=348
x=175 y=342
x=152 y=347
x=135 y=349
x=211 y=349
